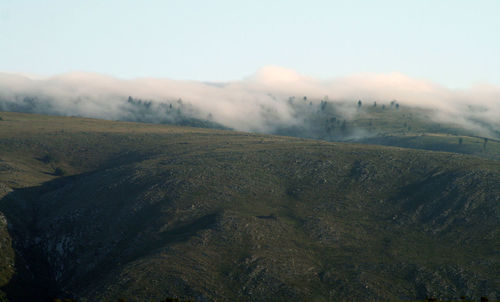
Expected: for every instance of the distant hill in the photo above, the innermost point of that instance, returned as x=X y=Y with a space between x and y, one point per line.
x=382 y=123
x=98 y=210
x=392 y=124
x=130 y=109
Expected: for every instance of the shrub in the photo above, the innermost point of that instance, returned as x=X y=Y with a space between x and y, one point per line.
x=47 y=158
x=59 y=172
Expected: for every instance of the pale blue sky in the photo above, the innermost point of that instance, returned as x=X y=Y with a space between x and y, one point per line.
x=452 y=42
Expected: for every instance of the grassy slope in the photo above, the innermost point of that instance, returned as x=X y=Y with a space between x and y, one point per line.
x=148 y=211
x=408 y=127
x=413 y=128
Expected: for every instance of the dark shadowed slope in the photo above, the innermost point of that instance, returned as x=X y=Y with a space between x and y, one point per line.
x=146 y=211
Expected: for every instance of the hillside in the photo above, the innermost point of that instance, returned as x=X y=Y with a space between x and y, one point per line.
x=391 y=124
x=471 y=129
x=99 y=210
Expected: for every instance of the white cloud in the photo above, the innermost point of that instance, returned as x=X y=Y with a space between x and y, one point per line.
x=252 y=104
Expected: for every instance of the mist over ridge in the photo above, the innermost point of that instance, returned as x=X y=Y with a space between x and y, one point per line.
x=273 y=98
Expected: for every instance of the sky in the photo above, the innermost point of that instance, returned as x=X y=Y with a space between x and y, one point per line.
x=455 y=43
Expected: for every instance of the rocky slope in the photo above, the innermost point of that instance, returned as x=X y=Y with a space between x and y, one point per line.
x=145 y=212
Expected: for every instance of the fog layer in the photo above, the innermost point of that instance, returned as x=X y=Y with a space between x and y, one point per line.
x=263 y=102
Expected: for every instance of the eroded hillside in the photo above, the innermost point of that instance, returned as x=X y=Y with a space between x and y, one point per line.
x=146 y=211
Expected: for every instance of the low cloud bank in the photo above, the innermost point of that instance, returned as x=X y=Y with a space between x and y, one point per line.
x=264 y=102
